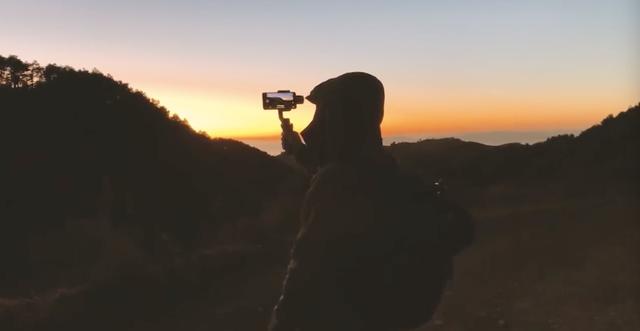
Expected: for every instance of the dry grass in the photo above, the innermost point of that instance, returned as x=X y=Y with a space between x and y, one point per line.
x=561 y=265
x=557 y=266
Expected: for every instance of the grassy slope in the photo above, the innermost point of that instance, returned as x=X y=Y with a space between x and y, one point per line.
x=570 y=265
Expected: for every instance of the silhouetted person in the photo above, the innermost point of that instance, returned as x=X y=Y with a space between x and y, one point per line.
x=352 y=260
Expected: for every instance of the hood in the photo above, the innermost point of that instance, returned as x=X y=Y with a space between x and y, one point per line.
x=346 y=124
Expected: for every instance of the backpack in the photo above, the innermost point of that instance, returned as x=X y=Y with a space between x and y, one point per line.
x=424 y=231
x=431 y=218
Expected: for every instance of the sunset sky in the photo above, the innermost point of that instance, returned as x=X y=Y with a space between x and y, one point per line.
x=449 y=67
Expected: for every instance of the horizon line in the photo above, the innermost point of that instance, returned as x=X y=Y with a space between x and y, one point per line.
x=428 y=135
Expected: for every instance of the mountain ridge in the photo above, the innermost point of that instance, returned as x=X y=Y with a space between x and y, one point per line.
x=606 y=153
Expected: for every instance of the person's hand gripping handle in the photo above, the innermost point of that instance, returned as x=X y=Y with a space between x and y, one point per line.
x=291 y=142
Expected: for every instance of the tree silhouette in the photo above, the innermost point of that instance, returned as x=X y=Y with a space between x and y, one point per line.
x=15 y=73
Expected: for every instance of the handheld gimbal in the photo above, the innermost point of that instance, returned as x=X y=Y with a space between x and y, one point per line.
x=283 y=100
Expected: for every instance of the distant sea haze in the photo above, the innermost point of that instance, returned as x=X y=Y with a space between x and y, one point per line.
x=494 y=138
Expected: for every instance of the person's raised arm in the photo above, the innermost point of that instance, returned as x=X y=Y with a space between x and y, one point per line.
x=292 y=144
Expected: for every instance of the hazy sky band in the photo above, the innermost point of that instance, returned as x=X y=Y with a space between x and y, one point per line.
x=447 y=66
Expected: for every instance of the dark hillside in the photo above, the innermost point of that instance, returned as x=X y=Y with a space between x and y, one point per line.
x=604 y=158
x=81 y=150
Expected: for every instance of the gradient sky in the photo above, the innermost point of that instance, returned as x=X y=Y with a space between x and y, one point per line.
x=448 y=66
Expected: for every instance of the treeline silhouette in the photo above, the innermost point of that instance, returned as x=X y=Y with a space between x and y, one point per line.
x=601 y=160
x=80 y=147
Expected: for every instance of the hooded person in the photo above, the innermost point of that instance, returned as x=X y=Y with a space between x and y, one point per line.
x=343 y=148
x=345 y=271
x=342 y=140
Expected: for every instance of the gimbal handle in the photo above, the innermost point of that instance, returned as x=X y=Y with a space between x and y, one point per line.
x=285 y=122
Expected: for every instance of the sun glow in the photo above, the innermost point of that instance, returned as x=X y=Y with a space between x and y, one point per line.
x=232 y=114
x=221 y=114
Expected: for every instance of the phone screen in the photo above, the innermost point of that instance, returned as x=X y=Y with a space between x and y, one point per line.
x=284 y=96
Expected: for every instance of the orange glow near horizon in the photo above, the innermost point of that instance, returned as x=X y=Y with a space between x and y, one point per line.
x=238 y=115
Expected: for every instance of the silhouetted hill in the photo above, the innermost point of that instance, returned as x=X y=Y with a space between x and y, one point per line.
x=603 y=158
x=79 y=146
